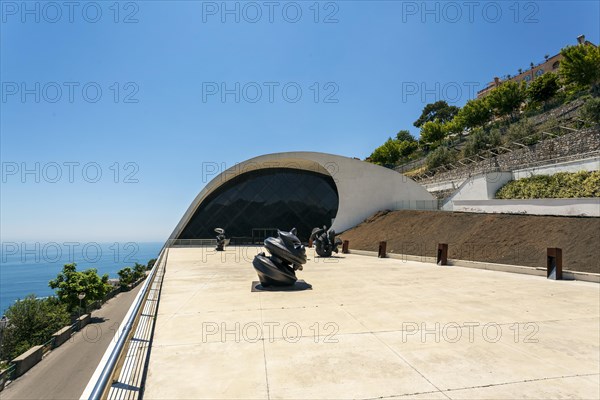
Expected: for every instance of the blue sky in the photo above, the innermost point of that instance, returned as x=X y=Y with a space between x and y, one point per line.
x=161 y=69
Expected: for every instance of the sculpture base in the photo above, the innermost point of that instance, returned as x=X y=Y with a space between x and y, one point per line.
x=296 y=287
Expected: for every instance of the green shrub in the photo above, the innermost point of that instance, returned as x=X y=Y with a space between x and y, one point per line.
x=440 y=156
x=590 y=111
x=562 y=185
x=480 y=140
x=522 y=132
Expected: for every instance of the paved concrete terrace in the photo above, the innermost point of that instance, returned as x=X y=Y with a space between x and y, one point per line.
x=371 y=328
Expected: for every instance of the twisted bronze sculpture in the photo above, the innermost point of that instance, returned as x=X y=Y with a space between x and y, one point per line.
x=287 y=256
x=325 y=241
x=220 y=239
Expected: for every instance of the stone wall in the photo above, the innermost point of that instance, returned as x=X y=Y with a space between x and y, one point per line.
x=564 y=148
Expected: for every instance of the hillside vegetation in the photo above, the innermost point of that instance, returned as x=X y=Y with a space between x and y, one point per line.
x=508 y=116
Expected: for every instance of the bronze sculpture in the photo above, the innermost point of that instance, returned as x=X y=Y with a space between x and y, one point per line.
x=287 y=255
x=325 y=241
x=220 y=239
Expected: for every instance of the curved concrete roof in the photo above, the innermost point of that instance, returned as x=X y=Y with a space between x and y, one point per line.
x=363 y=188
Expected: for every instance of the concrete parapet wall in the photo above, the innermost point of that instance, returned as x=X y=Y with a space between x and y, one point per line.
x=587 y=164
x=62 y=336
x=25 y=361
x=83 y=321
x=586 y=207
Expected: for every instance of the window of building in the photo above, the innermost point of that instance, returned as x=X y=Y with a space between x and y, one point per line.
x=539 y=72
x=261 y=200
x=556 y=65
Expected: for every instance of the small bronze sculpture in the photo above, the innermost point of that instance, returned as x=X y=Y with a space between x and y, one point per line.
x=220 y=239
x=325 y=241
x=287 y=256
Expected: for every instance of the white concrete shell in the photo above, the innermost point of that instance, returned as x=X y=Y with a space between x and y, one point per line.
x=363 y=188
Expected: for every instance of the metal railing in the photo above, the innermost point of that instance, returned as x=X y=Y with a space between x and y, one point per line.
x=191 y=242
x=100 y=383
x=8 y=374
x=48 y=346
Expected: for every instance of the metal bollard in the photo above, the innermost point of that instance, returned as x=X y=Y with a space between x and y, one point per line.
x=554 y=263
x=442 y=254
x=345 y=247
x=382 y=250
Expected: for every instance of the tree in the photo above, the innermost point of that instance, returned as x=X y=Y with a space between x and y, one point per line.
x=507 y=98
x=580 y=65
x=70 y=282
x=151 y=263
x=126 y=276
x=32 y=321
x=407 y=147
x=404 y=136
x=432 y=131
x=139 y=271
x=543 y=88
x=386 y=154
x=453 y=126
x=475 y=113
x=440 y=111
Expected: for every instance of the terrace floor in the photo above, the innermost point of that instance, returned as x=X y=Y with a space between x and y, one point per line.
x=370 y=328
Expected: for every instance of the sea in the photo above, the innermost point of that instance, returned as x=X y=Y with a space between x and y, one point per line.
x=26 y=268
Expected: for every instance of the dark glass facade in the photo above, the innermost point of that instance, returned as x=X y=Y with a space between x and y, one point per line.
x=252 y=205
